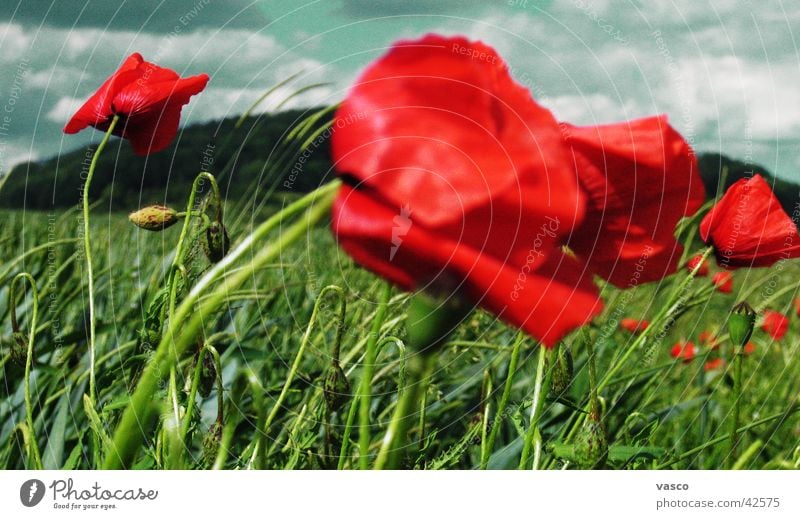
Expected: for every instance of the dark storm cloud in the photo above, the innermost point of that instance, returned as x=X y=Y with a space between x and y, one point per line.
x=159 y=16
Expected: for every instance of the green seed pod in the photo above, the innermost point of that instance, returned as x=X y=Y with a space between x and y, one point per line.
x=154 y=217
x=741 y=323
x=336 y=388
x=211 y=443
x=591 y=445
x=217 y=242
x=562 y=371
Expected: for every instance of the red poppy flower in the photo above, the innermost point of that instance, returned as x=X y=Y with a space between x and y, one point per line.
x=633 y=325
x=775 y=324
x=454 y=175
x=749 y=228
x=709 y=339
x=694 y=262
x=641 y=178
x=148 y=99
x=683 y=350
x=749 y=348
x=723 y=281
x=714 y=364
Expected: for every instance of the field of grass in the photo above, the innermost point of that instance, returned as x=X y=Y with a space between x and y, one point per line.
x=267 y=394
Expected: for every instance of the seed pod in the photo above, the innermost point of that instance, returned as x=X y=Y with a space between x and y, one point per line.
x=562 y=371
x=154 y=217
x=336 y=388
x=741 y=323
x=430 y=319
x=217 y=242
x=591 y=445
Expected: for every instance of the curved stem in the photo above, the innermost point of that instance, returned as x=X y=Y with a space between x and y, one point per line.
x=189 y=317
x=87 y=250
x=533 y=435
x=365 y=389
x=501 y=408
x=34 y=454
x=420 y=367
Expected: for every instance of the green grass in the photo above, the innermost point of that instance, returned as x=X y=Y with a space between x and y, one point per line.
x=656 y=412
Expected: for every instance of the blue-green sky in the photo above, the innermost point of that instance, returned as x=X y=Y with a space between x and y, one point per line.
x=726 y=72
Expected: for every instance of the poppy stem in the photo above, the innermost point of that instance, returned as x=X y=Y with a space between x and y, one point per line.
x=533 y=437
x=737 y=400
x=34 y=457
x=87 y=250
x=365 y=389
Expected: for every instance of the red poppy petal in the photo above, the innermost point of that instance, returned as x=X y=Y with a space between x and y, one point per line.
x=97 y=109
x=404 y=251
x=438 y=125
x=642 y=178
x=148 y=95
x=749 y=228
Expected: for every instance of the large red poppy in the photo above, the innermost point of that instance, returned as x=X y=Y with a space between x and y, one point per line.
x=148 y=99
x=641 y=178
x=455 y=176
x=749 y=228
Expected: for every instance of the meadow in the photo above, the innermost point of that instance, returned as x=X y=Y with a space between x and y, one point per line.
x=257 y=398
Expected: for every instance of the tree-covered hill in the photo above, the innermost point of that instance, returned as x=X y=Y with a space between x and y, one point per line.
x=238 y=157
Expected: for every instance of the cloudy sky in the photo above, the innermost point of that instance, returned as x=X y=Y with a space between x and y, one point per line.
x=726 y=72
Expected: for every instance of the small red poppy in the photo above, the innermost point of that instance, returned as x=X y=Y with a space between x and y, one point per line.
x=683 y=350
x=694 y=262
x=723 y=281
x=749 y=348
x=714 y=364
x=148 y=99
x=775 y=324
x=633 y=325
x=749 y=228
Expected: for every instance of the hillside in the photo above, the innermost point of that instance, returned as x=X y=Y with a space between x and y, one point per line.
x=238 y=157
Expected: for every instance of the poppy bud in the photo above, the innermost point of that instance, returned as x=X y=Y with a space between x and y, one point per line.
x=337 y=388
x=217 y=242
x=591 y=445
x=154 y=217
x=211 y=443
x=741 y=323
x=430 y=320
x=562 y=371
x=208 y=376
x=19 y=352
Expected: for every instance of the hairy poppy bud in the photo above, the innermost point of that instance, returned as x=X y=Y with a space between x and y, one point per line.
x=18 y=346
x=591 y=445
x=336 y=388
x=562 y=371
x=154 y=217
x=217 y=242
x=211 y=443
x=741 y=323
x=208 y=376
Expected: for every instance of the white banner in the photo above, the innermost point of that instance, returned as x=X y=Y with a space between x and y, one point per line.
x=413 y=495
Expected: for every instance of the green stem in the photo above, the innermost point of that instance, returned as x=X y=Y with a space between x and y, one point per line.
x=188 y=320
x=87 y=250
x=737 y=399
x=34 y=448
x=533 y=435
x=365 y=389
x=501 y=408
x=420 y=368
